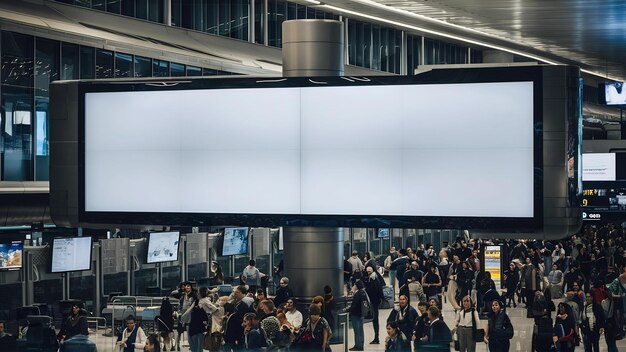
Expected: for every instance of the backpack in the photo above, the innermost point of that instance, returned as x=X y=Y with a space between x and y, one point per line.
x=253 y=279
x=282 y=338
x=276 y=337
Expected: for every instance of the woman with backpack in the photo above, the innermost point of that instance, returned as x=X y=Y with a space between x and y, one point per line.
x=467 y=321
x=315 y=332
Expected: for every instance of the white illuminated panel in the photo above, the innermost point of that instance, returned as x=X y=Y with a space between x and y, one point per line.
x=71 y=254
x=420 y=150
x=599 y=167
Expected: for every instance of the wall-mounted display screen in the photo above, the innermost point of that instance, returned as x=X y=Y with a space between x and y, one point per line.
x=163 y=247
x=383 y=233
x=11 y=255
x=599 y=167
x=313 y=150
x=71 y=254
x=614 y=93
x=235 y=240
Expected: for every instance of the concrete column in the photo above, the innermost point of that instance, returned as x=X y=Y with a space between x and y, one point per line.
x=313 y=259
x=313 y=48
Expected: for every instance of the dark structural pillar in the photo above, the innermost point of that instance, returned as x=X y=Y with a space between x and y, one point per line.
x=313 y=259
x=314 y=255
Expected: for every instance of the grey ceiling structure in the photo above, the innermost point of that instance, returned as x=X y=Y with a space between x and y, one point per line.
x=587 y=33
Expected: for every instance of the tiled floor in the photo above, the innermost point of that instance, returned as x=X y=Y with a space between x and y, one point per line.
x=521 y=341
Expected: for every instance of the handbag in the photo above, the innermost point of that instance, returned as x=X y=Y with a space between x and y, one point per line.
x=478 y=335
x=306 y=337
x=212 y=341
x=455 y=340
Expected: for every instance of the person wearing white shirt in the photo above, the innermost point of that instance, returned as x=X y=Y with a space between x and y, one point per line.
x=466 y=318
x=133 y=338
x=293 y=315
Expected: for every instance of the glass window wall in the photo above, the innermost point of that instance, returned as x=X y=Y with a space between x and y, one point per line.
x=124 y=65
x=70 y=61
x=17 y=95
x=143 y=66
x=145 y=279
x=177 y=70
x=397 y=238
x=374 y=242
x=47 y=62
x=194 y=71
x=104 y=63
x=160 y=68
x=414 y=53
x=373 y=46
x=87 y=62
x=170 y=275
x=359 y=241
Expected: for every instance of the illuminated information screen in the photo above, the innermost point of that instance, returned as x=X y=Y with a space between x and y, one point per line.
x=493 y=264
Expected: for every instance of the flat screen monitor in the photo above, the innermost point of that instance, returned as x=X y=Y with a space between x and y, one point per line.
x=599 y=167
x=235 y=240
x=383 y=233
x=613 y=93
x=163 y=247
x=11 y=255
x=71 y=254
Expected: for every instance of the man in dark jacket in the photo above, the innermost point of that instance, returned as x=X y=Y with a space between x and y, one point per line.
x=405 y=315
x=356 y=314
x=399 y=265
x=438 y=337
x=254 y=339
x=532 y=283
x=283 y=293
x=374 y=290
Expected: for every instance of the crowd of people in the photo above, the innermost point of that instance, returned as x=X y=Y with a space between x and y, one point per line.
x=585 y=275
x=574 y=290
x=246 y=320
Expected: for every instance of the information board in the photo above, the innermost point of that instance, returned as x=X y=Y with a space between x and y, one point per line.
x=493 y=264
x=71 y=254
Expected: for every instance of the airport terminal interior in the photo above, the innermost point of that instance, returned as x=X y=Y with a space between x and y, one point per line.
x=367 y=175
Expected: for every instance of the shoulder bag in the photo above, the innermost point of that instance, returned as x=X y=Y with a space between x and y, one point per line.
x=478 y=335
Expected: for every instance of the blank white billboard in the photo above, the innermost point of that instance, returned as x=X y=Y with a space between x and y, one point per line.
x=414 y=150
